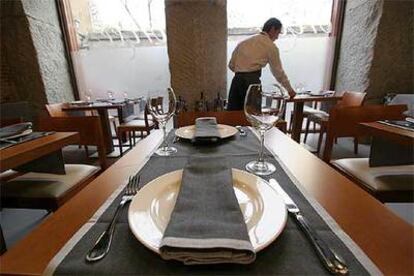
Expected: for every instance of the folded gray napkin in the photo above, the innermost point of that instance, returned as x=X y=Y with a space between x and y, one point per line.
x=13 y=130
x=206 y=130
x=207 y=225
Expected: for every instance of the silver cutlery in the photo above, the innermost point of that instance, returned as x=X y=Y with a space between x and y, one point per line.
x=103 y=243
x=334 y=263
x=241 y=131
x=4 y=140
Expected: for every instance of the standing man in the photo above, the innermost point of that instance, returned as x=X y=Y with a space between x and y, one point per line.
x=248 y=59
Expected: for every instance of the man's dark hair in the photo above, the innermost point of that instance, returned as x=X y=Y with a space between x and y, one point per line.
x=272 y=22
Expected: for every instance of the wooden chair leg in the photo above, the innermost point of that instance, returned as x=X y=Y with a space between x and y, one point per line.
x=120 y=143
x=321 y=132
x=329 y=141
x=130 y=139
x=134 y=138
x=86 y=151
x=355 y=145
x=102 y=156
x=307 y=129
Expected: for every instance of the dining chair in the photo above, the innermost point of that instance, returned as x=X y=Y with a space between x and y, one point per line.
x=349 y=99
x=386 y=183
x=55 y=110
x=45 y=190
x=130 y=126
x=232 y=118
x=308 y=109
x=88 y=127
x=344 y=122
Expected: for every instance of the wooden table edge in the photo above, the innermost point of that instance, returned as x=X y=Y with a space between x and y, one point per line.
x=65 y=138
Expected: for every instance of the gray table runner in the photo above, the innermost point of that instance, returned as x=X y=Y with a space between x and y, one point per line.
x=290 y=253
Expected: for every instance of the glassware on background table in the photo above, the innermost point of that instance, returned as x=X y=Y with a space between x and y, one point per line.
x=125 y=94
x=88 y=96
x=110 y=95
x=263 y=107
x=161 y=106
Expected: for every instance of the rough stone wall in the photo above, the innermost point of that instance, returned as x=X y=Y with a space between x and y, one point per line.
x=197 y=43
x=48 y=41
x=361 y=22
x=21 y=79
x=392 y=67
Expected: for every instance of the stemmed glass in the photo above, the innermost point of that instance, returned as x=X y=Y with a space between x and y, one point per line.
x=162 y=107
x=263 y=108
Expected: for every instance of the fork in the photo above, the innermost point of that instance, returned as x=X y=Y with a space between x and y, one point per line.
x=103 y=243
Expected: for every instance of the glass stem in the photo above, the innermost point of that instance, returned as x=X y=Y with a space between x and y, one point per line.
x=164 y=131
x=262 y=133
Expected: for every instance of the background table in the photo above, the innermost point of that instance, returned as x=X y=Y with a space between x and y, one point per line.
x=22 y=153
x=397 y=134
x=102 y=109
x=298 y=103
x=384 y=237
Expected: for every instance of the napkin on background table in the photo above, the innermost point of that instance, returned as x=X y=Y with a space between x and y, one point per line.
x=13 y=130
x=207 y=225
x=206 y=130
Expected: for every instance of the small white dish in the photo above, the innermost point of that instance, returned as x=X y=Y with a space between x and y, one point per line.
x=188 y=132
x=263 y=209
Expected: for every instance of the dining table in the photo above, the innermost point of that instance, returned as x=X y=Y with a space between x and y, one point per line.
x=22 y=153
x=394 y=133
x=380 y=238
x=299 y=101
x=102 y=107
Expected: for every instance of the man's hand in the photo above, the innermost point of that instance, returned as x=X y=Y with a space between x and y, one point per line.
x=292 y=93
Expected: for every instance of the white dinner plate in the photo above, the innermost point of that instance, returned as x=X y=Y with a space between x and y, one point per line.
x=188 y=132
x=263 y=209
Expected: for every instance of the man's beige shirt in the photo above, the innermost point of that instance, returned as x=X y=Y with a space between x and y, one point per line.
x=255 y=53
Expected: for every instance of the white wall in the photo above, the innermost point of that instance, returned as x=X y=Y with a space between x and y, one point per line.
x=135 y=70
x=138 y=70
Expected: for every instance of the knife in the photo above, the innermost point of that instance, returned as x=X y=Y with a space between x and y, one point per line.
x=334 y=263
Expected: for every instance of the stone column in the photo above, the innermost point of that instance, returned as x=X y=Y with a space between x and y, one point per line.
x=197 y=48
x=376 y=53
x=33 y=54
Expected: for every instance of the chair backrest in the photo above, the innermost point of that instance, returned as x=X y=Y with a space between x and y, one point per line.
x=351 y=98
x=344 y=121
x=232 y=118
x=88 y=127
x=13 y=113
x=55 y=110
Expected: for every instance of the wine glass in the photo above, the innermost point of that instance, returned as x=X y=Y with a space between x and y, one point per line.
x=263 y=107
x=162 y=107
x=125 y=94
x=88 y=96
x=110 y=95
